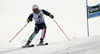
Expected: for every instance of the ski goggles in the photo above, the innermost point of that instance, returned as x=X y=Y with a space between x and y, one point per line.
x=35 y=9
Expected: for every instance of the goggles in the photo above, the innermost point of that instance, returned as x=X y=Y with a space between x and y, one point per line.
x=35 y=9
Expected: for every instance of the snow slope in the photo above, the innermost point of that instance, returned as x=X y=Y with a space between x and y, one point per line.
x=88 y=45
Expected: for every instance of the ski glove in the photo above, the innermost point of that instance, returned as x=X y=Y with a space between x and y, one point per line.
x=28 y=21
x=51 y=16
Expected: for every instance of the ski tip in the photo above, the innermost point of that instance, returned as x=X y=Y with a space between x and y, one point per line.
x=46 y=43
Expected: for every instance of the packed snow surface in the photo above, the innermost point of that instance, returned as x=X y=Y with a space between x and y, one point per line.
x=87 y=45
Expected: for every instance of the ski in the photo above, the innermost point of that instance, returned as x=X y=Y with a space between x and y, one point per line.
x=42 y=44
x=32 y=45
x=28 y=46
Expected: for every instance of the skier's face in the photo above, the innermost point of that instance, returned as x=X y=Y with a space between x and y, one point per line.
x=35 y=10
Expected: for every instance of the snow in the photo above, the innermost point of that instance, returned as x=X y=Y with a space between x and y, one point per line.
x=86 y=45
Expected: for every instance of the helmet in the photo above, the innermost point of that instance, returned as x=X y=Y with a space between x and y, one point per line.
x=35 y=6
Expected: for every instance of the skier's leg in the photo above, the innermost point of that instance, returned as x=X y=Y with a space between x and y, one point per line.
x=33 y=35
x=30 y=38
x=43 y=33
x=42 y=36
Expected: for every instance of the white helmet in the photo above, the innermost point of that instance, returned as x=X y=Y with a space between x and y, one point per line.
x=35 y=6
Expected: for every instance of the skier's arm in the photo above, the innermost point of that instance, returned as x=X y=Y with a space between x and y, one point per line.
x=47 y=13
x=29 y=19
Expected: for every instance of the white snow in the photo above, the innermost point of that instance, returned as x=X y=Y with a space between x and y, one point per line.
x=87 y=45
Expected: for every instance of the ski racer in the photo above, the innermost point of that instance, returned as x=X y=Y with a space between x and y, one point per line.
x=38 y=16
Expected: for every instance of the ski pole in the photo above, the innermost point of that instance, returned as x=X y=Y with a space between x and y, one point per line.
x=61 y=29
x=18 y=33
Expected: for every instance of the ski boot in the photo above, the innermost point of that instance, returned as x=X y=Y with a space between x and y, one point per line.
x=41 y=41
x=28 y=43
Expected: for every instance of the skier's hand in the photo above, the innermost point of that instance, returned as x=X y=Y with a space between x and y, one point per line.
x=51 y=16
x=28 y=21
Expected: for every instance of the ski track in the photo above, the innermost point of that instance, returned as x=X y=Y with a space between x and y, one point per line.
x=89 y=45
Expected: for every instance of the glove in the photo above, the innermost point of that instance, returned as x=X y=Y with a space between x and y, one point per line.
x=51 y=16
x=28 y=21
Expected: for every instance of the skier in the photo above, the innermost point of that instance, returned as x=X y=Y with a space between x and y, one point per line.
x=38 y=16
